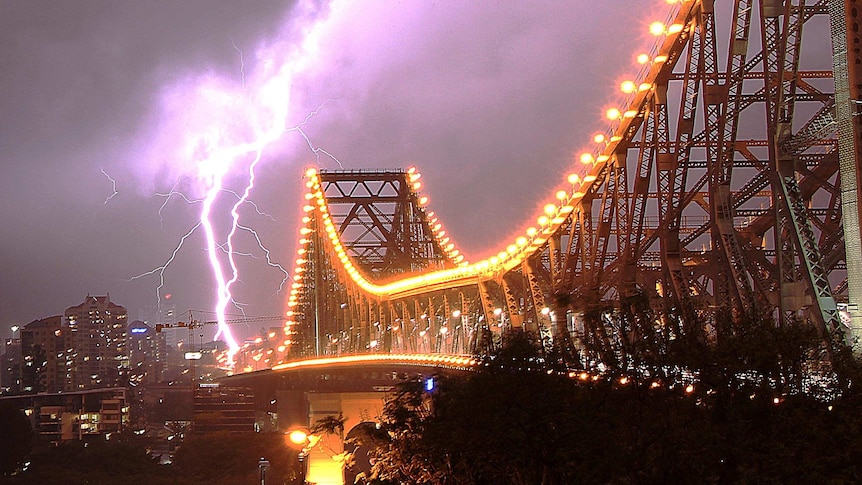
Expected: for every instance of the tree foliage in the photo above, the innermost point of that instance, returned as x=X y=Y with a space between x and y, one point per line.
x=16 y=438
x=746 y=402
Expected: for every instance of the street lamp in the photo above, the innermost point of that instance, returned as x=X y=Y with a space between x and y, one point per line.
x=263 y=464
x=302 y=440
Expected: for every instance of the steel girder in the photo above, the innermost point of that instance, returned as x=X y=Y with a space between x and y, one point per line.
x=720 y=191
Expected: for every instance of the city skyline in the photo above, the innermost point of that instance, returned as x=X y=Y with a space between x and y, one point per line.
x=483 y=99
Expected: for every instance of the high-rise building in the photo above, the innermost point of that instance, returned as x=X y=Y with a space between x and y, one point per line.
x=147 y=353
x=10 y=374
x=46 y=356
x=98 y=333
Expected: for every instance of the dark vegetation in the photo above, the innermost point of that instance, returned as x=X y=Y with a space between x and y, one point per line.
x=744 y=402
x=217 y=458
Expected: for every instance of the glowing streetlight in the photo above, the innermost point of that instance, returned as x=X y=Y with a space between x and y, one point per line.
x=302 y=440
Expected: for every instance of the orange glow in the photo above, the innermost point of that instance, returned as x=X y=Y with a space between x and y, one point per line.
x=656 y=28
x=426 y=360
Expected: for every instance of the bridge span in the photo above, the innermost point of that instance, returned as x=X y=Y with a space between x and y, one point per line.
x=724 y=184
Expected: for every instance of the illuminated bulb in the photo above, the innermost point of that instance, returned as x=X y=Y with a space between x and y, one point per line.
x=562 y=195
x=674 y=29
x=423 y=200
x=531 y=231
x=628 y=87
x=574 y=178
x=550 y=209
x=656 y=28
x=311 y=172
x=305 y=231
x=643 y=58
x=417 y=185
x=307 y=208
x=660 y=59
x=599 y=138
x=542 y=220
x=309 y=196
x=512 y=248
x=645 y=87
x=689 y=389
x=306 y=219
x=521 y=241
x=587 y=158
x=630 y=113
x=613 y=114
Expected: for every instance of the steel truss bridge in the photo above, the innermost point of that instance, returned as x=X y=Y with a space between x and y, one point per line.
x=727 y=180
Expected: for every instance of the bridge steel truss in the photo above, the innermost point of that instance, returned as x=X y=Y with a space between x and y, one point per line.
x=720 y=187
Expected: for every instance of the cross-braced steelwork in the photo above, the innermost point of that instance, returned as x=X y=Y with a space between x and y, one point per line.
x=718 y=189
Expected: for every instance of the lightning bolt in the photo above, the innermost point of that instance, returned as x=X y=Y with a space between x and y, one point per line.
x=241 y=63
x=238 y=126
x=113 y=185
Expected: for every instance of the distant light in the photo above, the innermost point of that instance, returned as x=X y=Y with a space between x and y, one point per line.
x=139 y=330
x=429 y=384
x=193 y=355
x=656 y=28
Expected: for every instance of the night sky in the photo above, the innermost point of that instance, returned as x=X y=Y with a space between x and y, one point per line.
x=491 y=101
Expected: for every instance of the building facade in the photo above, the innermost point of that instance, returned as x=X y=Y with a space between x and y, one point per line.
x=46 y=356
x=147 y=351
x=10 y=374
x=98 y=335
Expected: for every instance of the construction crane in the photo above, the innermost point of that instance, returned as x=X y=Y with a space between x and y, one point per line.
x=192 y=324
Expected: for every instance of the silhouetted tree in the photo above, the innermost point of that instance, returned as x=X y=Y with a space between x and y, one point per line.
x=740 y=408
x=16 y=438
